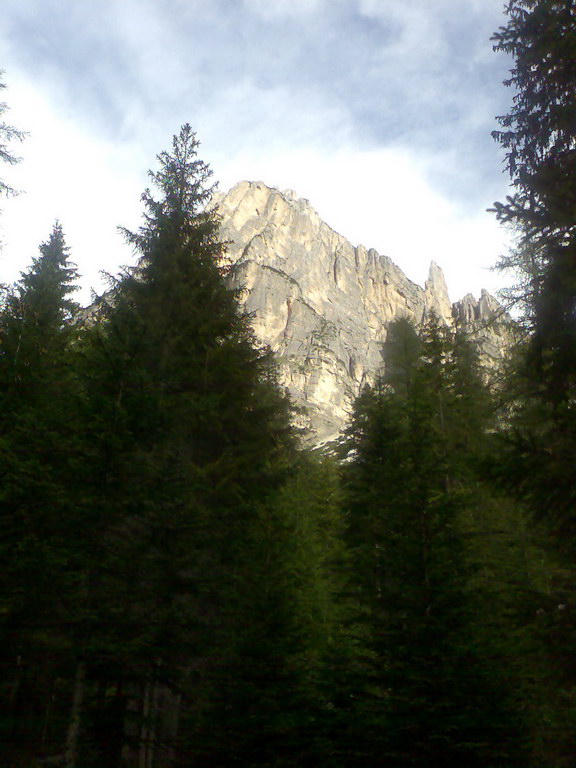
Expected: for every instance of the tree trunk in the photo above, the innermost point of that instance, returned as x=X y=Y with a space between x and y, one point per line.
x=145 y=746
x=130 y=753
x=72 y=737
x=172 y=717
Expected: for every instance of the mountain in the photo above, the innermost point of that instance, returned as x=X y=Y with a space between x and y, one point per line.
x=324 y=305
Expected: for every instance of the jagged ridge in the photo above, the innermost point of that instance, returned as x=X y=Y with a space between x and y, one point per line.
x=324 y=305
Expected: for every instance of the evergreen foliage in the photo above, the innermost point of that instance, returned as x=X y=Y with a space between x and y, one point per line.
x=7 y=134
x=273 y=703
x=540 y=142
x=190 y=436
x=435 y=698
x=182 y=584
x=539 y=136
x=538 y=441
x=38 y=419
x=540 y=139
x=35 y=313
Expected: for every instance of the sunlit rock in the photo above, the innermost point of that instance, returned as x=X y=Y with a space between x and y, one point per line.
x=324 y=305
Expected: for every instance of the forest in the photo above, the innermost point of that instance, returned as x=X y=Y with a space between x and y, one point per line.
x=185 y=582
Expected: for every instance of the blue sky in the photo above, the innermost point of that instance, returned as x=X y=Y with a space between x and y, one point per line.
x=377 y=111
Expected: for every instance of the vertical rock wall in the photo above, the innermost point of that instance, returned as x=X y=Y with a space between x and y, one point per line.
x=320 y=303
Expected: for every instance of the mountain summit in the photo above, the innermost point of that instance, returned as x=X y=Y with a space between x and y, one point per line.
x=324 y=305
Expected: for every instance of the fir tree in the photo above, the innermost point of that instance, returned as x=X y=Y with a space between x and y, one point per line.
x=539 y=136
x=34 y=322
x=535 y=461
x=275 y=701
x=37 y=458
x=190 y=435
x=434 y=699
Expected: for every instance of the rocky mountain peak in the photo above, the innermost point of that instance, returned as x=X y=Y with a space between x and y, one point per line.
x=322 y=304
x=436 y=293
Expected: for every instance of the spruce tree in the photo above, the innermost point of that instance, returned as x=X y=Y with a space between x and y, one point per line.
x=277 y=690
x=433 y=697
x=37 y=393
x=34 y=322
x=539 y=135
x=38 y=444
x=538 y=442
x=190 y=436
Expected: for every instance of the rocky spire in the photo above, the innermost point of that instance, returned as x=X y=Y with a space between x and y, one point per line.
x=436 y=297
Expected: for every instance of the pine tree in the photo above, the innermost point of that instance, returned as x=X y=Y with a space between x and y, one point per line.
x=190 y=436
x=538 y=443
x=35 y=372
x=279 y=679
x=38 y=408
x=34 y=322
x=434 y=699
x=539 y=135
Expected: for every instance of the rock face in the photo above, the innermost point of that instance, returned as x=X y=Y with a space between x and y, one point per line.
x=324 y=305
x=486 y=323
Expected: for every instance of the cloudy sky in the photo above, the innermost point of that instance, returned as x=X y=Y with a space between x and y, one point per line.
x=377 y=111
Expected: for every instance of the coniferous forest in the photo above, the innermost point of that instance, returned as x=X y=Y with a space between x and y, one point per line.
x=185 y=584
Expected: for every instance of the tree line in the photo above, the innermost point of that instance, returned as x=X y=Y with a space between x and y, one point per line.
x=184 y=583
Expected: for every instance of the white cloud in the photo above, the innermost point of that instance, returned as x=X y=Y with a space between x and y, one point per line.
x=380 y=197
x=368 y=119
x=89 y=185
x=275 y=9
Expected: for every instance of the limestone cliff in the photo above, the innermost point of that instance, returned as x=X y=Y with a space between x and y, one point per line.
x=324 y=305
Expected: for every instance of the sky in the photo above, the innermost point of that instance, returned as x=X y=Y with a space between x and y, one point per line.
x=379 y=112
